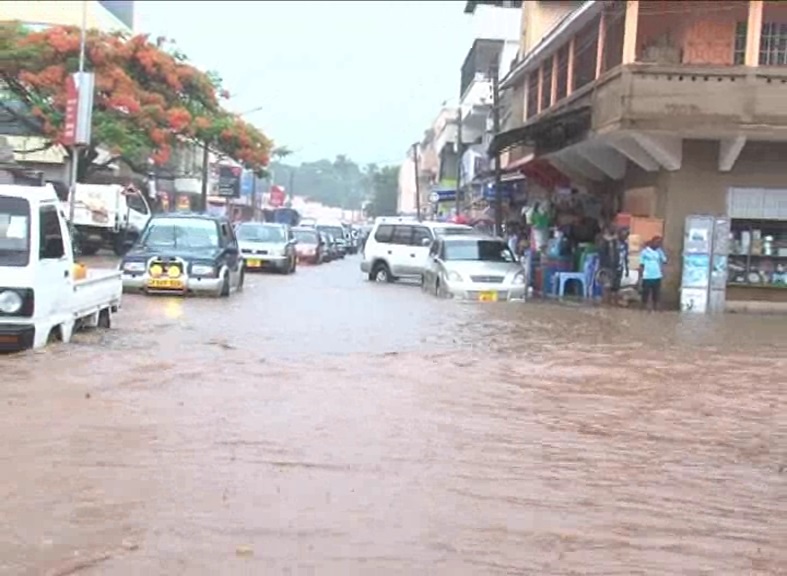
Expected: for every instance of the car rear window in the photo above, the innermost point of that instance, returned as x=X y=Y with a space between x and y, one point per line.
x=384 y=233
x=455 y=231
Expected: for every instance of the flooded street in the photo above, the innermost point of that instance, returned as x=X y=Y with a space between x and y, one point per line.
x=319 y=424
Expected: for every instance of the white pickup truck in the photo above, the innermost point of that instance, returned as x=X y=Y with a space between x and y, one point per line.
x=40 y=297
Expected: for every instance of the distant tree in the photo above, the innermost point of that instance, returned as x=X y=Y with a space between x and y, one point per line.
x=338 y=183
x=385 y=192
x=147 y=96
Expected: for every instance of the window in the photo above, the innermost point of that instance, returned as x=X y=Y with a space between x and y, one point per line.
x=479 y=250
x=402 y=235
x=546 y=91
x=421 y=233
x=773 y=44
x=194 y=233
x=739 y=54
x=261 y=233
x=50 y=235
x=14 y=231
x=135 y=202
x=384 y=234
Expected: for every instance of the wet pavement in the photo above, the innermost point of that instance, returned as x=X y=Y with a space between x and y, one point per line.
x=319 y=424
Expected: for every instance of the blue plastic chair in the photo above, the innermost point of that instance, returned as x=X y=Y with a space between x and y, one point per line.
x=586 y=278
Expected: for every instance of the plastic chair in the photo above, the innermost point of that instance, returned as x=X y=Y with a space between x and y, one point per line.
x=586 y=278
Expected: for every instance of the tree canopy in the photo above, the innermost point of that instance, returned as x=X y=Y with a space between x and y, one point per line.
x=341 y=183
x=148 y=97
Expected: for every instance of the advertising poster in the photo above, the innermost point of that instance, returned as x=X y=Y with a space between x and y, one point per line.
x=696 y=271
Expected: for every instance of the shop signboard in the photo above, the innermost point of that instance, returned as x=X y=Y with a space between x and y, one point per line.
x=229 y=181
x=277 y=196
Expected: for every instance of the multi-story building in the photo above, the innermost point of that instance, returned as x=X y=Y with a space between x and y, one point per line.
x=672 y=108
x=105 y=15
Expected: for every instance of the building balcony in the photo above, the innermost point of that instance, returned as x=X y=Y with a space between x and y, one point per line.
x=688 y=38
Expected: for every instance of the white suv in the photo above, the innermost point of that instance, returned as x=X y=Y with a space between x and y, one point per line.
x=399 y=247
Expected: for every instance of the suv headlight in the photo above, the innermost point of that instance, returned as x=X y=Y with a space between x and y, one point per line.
x=202 y=270
x=519 y=278
x=10 y=302
x=454 y=277
x=133 y=267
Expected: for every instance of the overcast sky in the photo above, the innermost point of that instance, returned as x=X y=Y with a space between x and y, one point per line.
x=358 y=78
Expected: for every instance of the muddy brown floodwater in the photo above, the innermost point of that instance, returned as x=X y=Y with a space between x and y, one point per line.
x=319 y=424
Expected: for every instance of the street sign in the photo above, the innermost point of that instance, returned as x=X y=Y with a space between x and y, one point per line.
x=229 y=181
x=72 y=112
x=434 y=197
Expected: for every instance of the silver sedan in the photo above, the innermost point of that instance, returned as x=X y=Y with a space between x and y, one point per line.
x=474 y=268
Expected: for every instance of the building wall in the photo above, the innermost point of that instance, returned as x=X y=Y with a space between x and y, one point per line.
x=496 y=22
x=406 y=200
x=60 y=13
x=699 y=188
x=538 y=18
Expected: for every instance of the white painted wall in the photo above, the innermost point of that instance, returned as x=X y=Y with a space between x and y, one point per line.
x=405 y=203
x=494 y=22
x=59 y=13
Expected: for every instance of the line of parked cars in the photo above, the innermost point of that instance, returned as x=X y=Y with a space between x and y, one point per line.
x=186 y=253
x=450 y=260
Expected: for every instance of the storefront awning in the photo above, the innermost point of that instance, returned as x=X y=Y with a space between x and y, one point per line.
x=559 y=126
x=539 y=171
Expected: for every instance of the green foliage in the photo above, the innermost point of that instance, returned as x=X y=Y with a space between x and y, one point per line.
x=385 y=192
x=340 y=183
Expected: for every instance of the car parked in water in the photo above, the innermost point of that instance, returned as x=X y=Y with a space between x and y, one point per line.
x=336 y=230
x=398 y=247
x=478 y=267
x=266 y=246
x=183 y=253
x=310 y=246
x=328 y=252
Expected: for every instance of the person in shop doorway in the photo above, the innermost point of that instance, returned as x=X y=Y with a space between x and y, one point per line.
x=512 y=237
x=652 y=260
x=610 y=264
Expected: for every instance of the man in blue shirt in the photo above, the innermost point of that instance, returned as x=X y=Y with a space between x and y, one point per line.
x=651 y=262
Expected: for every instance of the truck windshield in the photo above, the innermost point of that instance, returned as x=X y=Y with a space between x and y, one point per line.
x=181 y=233
x=14 y=231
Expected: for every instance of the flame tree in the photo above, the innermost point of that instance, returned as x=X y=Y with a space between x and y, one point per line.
x=148 y=98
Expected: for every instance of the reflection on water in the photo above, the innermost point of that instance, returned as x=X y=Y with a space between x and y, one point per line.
x=318 y=424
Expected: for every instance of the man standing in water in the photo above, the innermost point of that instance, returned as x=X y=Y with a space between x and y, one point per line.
x=610 y=263
x=651 y=262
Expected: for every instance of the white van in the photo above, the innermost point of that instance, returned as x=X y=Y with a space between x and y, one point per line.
x=40 y=299
x=399 y=247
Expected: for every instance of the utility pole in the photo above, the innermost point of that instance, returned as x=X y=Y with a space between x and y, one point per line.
x=205 y=174
x=417 y=184
x=75 y=151
x=292 y=184
x=459 y=152
x=496 y=130
x=253 y=198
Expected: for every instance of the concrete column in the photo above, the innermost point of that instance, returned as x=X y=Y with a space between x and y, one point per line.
x=630 y=32
x=540 y=87
x=553 y=88
x=602 y=40
x=570 y=73
x=753 y=32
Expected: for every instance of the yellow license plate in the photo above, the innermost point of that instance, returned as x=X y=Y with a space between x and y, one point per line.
x=487 y=296
x=254 y=263
x=165 y=284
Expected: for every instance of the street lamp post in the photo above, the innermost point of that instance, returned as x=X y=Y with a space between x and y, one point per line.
x=417 y=183
x=75 y=149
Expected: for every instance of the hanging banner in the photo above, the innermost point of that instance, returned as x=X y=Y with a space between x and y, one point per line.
x=72 y=111
x=85 y=85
